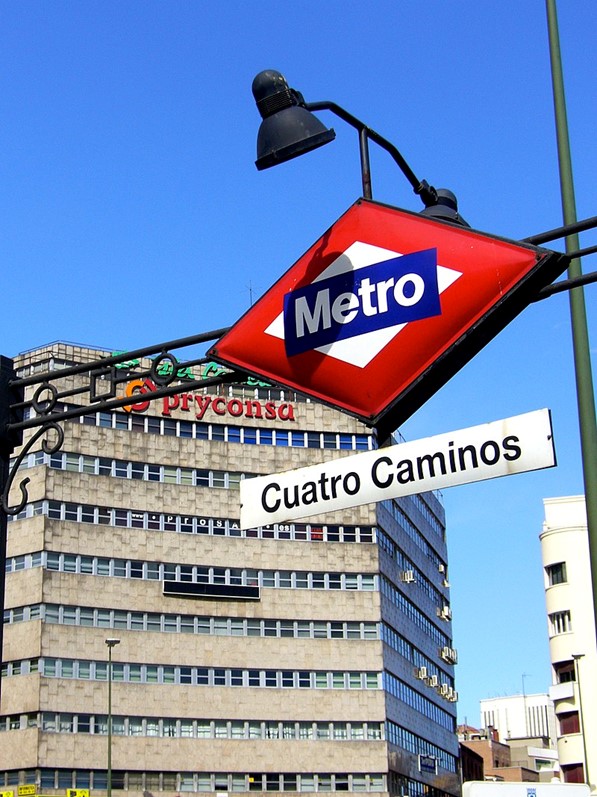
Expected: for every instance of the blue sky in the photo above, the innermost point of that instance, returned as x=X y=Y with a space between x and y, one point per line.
x=132 y=213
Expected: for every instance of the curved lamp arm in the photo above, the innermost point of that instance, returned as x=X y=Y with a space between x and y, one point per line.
x=422 y=188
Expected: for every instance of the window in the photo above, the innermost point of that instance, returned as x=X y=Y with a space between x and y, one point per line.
x=556 y=573
x=573 y=773
x=564 y=671
x=569 y=723
x=560 y=622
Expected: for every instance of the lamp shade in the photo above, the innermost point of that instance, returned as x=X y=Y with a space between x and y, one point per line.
x=445 y=208
x=288 y=129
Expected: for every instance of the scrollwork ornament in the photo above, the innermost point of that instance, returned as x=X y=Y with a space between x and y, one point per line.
x=164 y=368
x=47 y=447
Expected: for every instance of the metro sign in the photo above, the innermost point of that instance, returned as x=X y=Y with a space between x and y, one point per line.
x=383 y=309
x=354 y=303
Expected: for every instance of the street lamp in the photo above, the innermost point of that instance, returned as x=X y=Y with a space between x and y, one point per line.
x=290 y=129
x=577 y=657
x=111 y=642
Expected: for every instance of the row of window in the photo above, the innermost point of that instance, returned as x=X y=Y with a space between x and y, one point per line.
x=408 y=608
x=229 y=677
x=407 y=650
x=137 y=781
x=429 y=506
x=406 y=565
x=122 y=619
x=140 y=471
x=416 y=745
x=191 y=624
x=65 y=722
x=247 y=435
x=412 y=532
x=193 y=524
x=160 y=571
x=51 y=364
x=421 y=704
x=192 y=676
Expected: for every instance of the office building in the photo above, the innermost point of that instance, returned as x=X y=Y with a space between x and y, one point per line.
x=527 y=724
x=571 y=629
x=302 y=657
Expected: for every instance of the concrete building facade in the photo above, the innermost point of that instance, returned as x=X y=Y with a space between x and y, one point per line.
x=571 y=629
x=520 y=716
x=527 y=724
x=303 y=657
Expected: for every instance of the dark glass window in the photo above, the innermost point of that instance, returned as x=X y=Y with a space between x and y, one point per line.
x=556 y=573
x=564 y=671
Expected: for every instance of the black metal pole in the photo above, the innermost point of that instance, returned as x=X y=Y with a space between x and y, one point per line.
x=8 y=441
x=578 y=315
x=4 y=463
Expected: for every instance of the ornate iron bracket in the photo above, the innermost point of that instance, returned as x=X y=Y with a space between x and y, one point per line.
x=164 y=375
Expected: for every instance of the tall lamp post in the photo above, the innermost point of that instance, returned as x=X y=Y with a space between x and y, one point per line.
x=111 y=642
x=577 y=657
x=578 y=315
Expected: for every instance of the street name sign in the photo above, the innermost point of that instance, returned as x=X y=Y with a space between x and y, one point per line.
x=383 y=309
x=514 y=445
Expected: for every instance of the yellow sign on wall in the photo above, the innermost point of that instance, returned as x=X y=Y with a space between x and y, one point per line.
x=77 y=793
x=26 y=791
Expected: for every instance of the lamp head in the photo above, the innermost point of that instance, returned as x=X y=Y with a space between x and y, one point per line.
x=445 y=208
x=288 y=129
x=112 y=642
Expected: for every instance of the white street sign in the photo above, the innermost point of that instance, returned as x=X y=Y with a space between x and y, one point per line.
x=514 y=445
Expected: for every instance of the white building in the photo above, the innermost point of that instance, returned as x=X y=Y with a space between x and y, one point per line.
x=527 y=723
x=571 y=628
x=520 y=716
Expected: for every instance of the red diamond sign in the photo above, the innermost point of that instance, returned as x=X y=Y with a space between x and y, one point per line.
x=383 y=309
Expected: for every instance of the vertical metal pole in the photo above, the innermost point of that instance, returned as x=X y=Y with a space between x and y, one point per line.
x=8 y=441
x=109 y=783
x=580 y=334
x=110 y=642
x=365 y=163
x=577 y=657
x=4 y=461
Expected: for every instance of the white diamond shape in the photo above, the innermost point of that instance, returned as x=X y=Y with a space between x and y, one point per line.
x=361 y=349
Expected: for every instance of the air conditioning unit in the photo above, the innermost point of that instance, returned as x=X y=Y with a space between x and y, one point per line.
x=408 y=576
x=454 y=696
x=446 y=583
x=422 y=673
x=445 y=613
x=433 y=680
x=444 y=690
x=449 y=654
x=441 y=568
